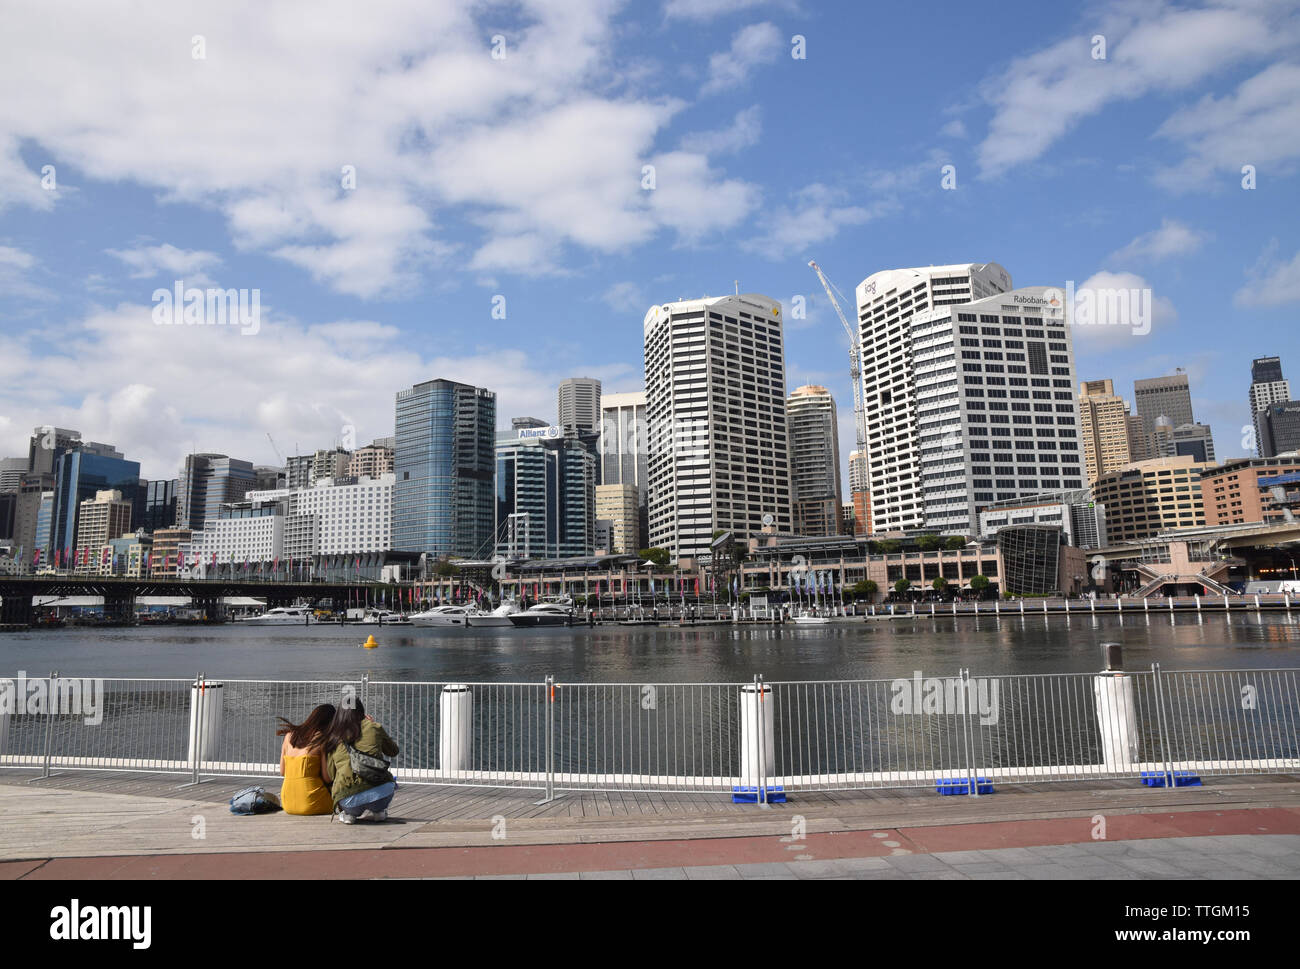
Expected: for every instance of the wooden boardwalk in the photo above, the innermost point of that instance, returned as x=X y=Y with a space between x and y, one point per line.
x=98 y=814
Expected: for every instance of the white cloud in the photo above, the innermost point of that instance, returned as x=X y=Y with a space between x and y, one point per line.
x=743 y=132
x=146 y=262
x=301 y=382
x=546 y=144
x=625 y=297
x=1113 y=309
x=1258 y=125
x=955 y=128
x=1163 y=47
x=1273 y=281
x=1173 y=238
x=816 y=215
x=9 y=256
x=751 y=47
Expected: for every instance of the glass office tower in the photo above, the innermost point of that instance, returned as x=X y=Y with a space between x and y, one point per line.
x=444 y=459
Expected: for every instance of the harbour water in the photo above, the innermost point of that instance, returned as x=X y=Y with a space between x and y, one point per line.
x=725 y=653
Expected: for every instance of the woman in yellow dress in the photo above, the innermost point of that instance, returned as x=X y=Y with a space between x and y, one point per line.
x=303 y=764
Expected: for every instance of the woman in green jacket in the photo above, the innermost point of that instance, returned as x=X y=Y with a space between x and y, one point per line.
x=354 y=797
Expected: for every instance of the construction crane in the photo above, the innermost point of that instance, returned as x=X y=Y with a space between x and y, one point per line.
x=274 y=448
x=855 y=360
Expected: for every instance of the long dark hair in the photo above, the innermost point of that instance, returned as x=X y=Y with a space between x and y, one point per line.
x=311 y=732
x=345 y=728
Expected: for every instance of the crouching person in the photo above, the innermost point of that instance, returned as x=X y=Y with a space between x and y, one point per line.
x=361 y=784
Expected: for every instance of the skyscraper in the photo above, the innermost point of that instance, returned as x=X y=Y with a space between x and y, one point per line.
x=1112 y=438
x=444 y=502
x=1163 y=397
x=578 y=404
x=206 y=482
x=1267 y=386
x=623 y=461
x=886 y=303
x=996 y=415
x=814 y=461
x=860 y=493
x=546 y=494
x=1279 y=425
x=79 y=475
x=99 y=519
x=715 y=408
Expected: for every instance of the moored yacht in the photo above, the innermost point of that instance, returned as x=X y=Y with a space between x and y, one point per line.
x=281 y=616
x=500 y=616
x=544 y=614
x=442 y=616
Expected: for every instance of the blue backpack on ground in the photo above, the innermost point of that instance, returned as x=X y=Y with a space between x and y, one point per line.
x=254 y=800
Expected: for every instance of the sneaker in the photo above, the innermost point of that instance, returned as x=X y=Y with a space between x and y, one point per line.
x=378 y=815
x=346 y=818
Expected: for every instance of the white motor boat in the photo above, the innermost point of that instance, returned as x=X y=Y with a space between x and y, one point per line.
x=500 y=616
x=544 y=614
x=811 y=620
x=442 y=616
x=281 y=616
x=384 y=617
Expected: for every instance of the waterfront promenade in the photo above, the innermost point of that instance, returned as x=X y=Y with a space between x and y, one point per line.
x=99 y=825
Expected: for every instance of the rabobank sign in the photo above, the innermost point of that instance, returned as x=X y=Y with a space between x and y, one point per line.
x=550 y=433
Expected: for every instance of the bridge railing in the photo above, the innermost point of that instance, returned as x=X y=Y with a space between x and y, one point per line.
x=551 y=735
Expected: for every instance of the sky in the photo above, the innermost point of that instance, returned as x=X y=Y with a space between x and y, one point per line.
x=495 y=193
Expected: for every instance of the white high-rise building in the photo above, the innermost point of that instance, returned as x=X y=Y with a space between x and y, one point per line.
x=715 y=407
x=1267 y=386
x=344 y=516
x=814 y=461
x=996 y=413
x=887 y=302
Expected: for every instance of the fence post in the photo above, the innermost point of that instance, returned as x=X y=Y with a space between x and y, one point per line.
x=196 y=730
x=550 y=738
x=49 y=721
x=1160 y=724
x=968 y=738
x=365 y=688
x=760 y=714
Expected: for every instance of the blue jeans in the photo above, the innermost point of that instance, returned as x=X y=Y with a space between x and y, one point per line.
x=372 y=799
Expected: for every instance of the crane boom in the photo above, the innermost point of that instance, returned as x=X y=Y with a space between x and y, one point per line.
x=855 y=362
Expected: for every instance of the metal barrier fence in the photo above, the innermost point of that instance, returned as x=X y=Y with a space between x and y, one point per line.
x=701 y=737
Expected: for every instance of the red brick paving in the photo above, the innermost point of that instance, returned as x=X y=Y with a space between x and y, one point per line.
x=537 y=859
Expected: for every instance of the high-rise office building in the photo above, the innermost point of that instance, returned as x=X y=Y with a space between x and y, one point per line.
x=267 y=477
x=298 y=470
x=618 y=505
x=886 y=303
x=79 y=475
x=159 y=505
x=1193 y=440
x=715 y=408
x=1112 y=437
x=546 y=494
x=444 y=502
x=1163 y=397
x=11 y=474
x=1279 y=428
x=624 y=457
x=99 y=519
x=47 y=443
x=814 y=461
x=860 y=493
x=1267 y=386
x=996 y=414
x=578 y=404
x=206 y=482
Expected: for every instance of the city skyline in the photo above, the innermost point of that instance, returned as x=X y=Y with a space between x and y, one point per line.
x=366 y=290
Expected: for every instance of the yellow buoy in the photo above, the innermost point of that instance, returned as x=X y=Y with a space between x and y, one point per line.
x=370 y=643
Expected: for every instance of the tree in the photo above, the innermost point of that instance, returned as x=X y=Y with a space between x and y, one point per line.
x=444 y=568
x=659 y=556
x=939 y=584
x=979 y=583
x=889 y=546
x=955 y=543
x=928 y=543
x=901 y=586
x=864 y=589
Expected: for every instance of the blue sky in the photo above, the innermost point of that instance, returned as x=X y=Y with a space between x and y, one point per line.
x=521 y=176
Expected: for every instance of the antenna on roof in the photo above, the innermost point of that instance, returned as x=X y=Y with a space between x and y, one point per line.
x=737 y=287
